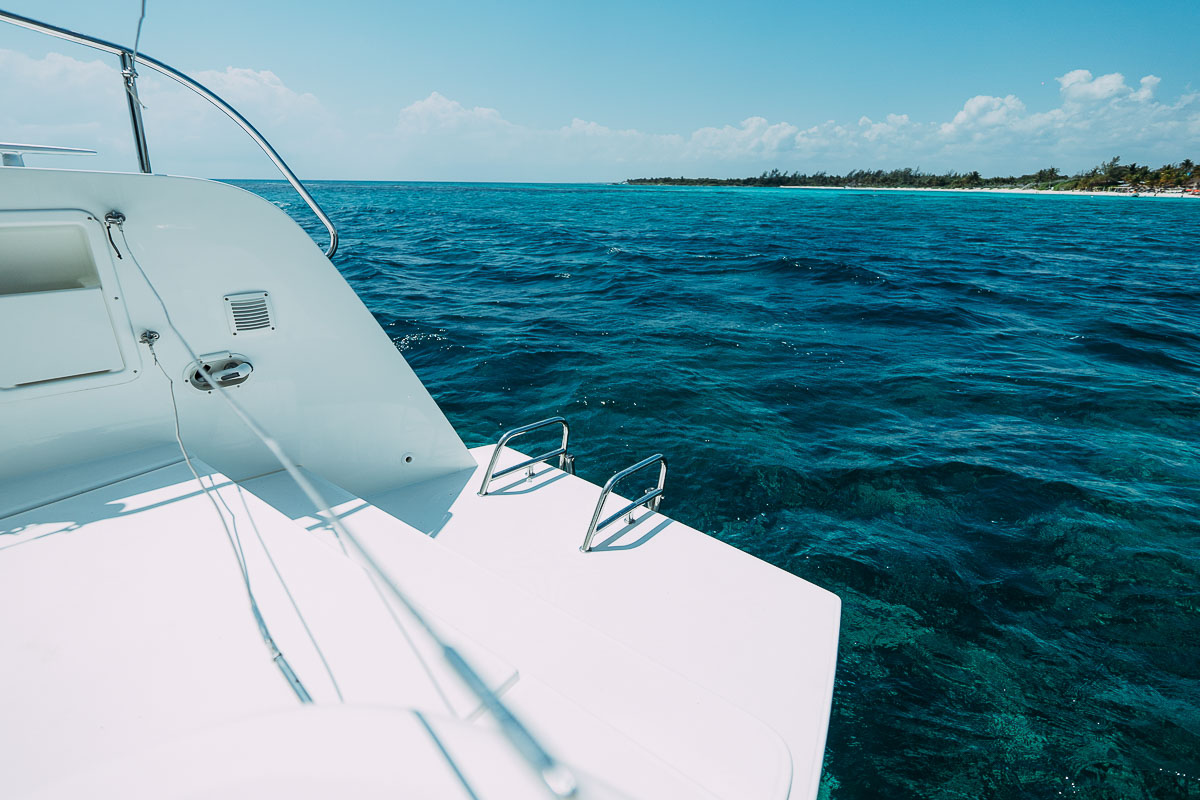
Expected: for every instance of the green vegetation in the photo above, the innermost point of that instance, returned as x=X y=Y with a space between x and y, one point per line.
x=1112 y=175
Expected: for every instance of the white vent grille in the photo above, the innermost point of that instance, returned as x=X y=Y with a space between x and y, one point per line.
x=249 y=312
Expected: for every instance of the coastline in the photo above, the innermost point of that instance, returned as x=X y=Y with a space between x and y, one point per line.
x=1073 y=192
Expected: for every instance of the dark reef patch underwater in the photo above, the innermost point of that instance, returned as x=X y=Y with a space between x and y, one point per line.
x=975 y=418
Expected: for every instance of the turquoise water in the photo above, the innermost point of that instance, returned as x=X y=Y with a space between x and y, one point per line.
x=975 y=418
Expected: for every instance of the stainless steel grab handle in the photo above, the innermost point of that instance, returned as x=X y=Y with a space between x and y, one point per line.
x=651 y=499
x=566 y=461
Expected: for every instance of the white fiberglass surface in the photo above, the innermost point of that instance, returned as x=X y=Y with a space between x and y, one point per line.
x=136 y=646
x=321 y=752
x=649 y=652
x=135 y=626
x=346 y=405
x=46 y=257
x=54 y=335
x=689 y=728
x=755 y=635
x=124 y=625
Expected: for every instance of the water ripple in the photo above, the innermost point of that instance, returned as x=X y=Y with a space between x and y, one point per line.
x=975 y=418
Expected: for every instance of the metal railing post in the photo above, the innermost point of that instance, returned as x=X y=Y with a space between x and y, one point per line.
x=566 y=461
x=129 y=73
x=651 y=499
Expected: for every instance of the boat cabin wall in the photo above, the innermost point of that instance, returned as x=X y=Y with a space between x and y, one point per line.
x=237 y=277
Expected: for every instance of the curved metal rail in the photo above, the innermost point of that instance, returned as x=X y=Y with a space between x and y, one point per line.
x=566 y=461
x=129 y=61
x=651 y=499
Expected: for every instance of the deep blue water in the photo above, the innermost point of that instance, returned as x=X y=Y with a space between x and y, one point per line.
x=975 y=418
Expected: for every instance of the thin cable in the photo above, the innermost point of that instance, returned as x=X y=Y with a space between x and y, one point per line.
x=235 y=544
x=286 y=590
x=556 y=777
x=138 y=38
x=437 y=685
x=391 y=610
x=437 y=740
x=110 y=241
x=130 y=84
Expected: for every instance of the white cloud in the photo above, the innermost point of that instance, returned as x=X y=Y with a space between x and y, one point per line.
x=61 y=100
x=440 y=114
x=1148 y=84
x=984 y=111
x=189 y=135
x=1079 y=86
x=875 y=131
x=1096 y=118
x=755 y=137
x=264 y=92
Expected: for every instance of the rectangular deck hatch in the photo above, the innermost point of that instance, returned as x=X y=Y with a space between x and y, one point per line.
x=54 y=315
x=52 y=335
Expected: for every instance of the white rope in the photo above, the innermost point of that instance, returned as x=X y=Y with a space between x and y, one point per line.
x=324 y=511
x=324 y=514
x=138 y=38
x=555 y=776
x=130 y=85
x=286 y=589
x=234 y=540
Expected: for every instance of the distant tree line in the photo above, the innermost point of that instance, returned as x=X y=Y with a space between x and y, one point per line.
x=1111 y=175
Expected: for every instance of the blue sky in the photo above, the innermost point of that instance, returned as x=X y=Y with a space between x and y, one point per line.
x=608 y=90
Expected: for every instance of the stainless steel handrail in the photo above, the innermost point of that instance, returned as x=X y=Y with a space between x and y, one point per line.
x=651 y=499
x=566 y=461
x=129 y=75
x=129 y=59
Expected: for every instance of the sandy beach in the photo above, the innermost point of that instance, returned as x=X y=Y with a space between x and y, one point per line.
x=1127 y=195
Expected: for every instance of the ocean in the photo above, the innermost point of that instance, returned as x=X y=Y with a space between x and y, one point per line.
x=976 y=418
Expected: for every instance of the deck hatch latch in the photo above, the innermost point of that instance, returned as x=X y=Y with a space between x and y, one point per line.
x=225 y=369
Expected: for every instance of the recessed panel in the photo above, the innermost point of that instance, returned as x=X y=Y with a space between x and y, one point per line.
x=43 y=258
x=48 y=336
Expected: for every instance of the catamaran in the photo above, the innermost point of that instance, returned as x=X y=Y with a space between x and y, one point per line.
x=244 y=554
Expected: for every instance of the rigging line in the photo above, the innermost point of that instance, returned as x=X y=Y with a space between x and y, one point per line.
x=437 y=685
x=437 y=740
x=286 y=589
x=391 y=610
x=324 y=523
x=555 y=776
x=138 y=38
x=130 y=86
x=108 y=228
x=235 y=539
x=235 y=543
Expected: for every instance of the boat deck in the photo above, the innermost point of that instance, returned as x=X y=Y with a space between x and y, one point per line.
x=638 y=653
x=700 y=609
